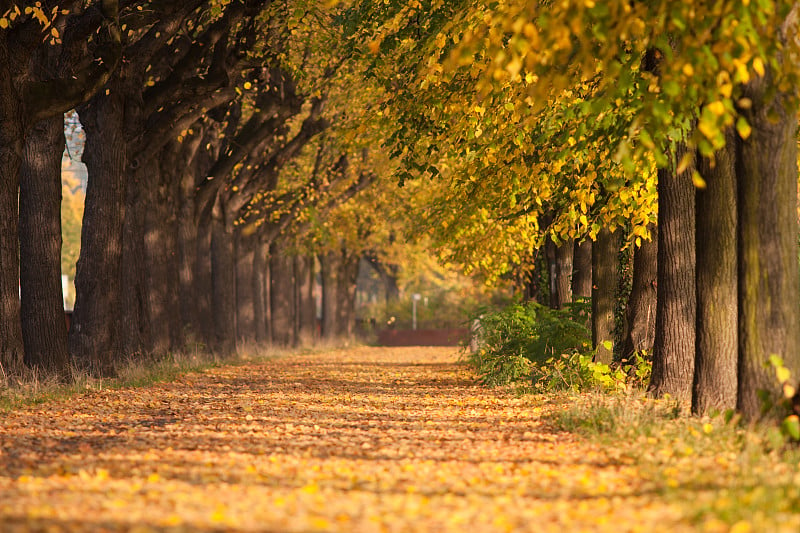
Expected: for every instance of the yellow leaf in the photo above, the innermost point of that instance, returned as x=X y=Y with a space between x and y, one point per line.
x=743 y=128
x=3 y=23
x=758 y=66
x=717 y=108
x=698 y=180
x=685 y=161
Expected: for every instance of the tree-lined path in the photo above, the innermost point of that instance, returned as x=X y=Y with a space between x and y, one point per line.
x=371 y=439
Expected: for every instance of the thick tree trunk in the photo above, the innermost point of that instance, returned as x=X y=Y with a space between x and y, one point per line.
x=223 y=282
x=282 y=295
x=259 y=289
x=641 y=307
x=95 y=319
x=582 y=269
x=564 y=265
x=43 y=328
x=170 y=208
x=245 y=297
x=306 y=305
x=203 y=287
x=715 y=373
x=674 y=346
x=187 y=250
x=768 y=268
x=604 y=288
x=136 y=335
x=11 y=146
x=329 y=271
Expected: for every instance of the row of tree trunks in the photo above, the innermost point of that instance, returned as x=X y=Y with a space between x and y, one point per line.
x=339 y=272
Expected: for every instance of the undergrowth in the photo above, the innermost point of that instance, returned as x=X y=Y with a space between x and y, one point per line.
x=740 y=477
x=539 y=349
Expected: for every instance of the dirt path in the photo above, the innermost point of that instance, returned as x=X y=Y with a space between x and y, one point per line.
x=372 y=439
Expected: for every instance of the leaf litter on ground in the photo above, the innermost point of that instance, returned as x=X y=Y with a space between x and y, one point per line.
x=357 y=440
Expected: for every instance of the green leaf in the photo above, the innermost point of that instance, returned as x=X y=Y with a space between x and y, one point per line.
x=791 y=427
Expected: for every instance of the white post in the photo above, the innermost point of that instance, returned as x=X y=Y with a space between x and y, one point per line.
x=414 y=299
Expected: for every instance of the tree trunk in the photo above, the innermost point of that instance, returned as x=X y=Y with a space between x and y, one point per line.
x=203 y=287
x=768 y=267
x=43 y=328
x=306 y=305
x=564 y=264
x=715 y=372
x=282 y=295
x=11 y=146
x=260 y=291
x=346 y=294
x=604 y=287
x=329 y=271
x=582 y=269
x=95 y=319
x=136 y=335
x=674 y=344
x=641 y=307
x=187 y=250
x=245 y=297
x=223 y=283
x=552 y=273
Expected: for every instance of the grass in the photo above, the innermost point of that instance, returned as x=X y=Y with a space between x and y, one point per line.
x=34 y=388
x=727 y=476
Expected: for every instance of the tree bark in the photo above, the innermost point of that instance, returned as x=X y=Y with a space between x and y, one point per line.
x=552 y=273
x=306 y=305
x=582 y=269
x=564 y=264
x=329 y=271
x=282 y=295
x=259 y=288
x=641 y=307
x=245 y=297
x=95 y=319
x=223 y=282
x=11 y=146
x=203 y=284
x=604 y=287
x=768 y=267
x=715 y=373
x=136 y=335
x=346 y=294
x=674 y=344
x=44 y=331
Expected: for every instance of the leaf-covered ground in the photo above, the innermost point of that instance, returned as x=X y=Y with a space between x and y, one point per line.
x=370 y=439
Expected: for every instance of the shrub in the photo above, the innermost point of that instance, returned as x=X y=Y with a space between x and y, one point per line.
x=531 y=345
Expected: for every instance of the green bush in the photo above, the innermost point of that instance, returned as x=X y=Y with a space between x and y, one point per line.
x=545 y=349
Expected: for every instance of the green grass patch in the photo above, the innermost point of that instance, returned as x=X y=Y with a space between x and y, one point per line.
x=722 y=474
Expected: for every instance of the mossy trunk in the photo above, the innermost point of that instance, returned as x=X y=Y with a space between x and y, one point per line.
x=715 y=373
x=605 y=272
x=769 y=290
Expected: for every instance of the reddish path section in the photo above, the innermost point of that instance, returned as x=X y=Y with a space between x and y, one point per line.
x=366 y=440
